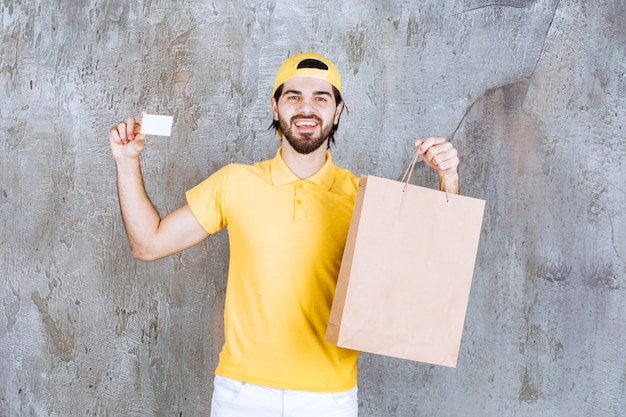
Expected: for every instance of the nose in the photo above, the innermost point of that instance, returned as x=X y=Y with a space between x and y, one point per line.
x=306 y=105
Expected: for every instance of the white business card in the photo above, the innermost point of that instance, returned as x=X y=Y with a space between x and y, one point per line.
x=152 y=124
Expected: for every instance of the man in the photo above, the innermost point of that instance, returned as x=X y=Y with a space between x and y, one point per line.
x=287 y=220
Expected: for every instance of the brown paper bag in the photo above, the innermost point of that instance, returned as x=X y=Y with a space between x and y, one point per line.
x=406 y=272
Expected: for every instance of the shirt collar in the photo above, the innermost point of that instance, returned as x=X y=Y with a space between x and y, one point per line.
x=281 y=174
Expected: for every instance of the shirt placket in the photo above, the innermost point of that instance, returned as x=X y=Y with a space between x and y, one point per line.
x=300 y=202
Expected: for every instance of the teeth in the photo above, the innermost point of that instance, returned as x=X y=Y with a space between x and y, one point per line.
x=305 y=124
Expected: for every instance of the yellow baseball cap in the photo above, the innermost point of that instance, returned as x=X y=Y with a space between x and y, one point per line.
x=300 y=66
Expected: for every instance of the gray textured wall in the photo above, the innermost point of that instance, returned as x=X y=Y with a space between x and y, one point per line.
x=533 y=94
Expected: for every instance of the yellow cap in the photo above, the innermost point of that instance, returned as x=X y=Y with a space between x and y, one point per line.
x=295 y=67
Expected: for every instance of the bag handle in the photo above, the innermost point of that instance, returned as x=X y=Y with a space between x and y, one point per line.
x=409 y=171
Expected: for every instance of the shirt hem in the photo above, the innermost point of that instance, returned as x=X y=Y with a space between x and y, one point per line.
x=286 y=385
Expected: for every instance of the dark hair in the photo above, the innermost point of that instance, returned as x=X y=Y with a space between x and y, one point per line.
x=312 y=63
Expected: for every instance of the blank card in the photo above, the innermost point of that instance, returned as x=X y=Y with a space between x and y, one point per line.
x=152 y=124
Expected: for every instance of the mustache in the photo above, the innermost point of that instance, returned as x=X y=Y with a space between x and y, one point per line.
x=306 y=116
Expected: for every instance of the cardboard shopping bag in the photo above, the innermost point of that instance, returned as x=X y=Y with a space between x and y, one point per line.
x=407 y=268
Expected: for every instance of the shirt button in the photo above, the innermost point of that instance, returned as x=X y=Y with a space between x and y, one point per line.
x=299 y=201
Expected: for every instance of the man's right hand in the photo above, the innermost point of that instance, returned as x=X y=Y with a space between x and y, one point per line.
x=125 y=140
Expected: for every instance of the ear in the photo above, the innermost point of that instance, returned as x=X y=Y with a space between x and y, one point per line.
x=338 y=112
x=274 y=108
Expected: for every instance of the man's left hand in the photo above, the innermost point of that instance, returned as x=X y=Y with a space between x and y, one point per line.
x=439 y=154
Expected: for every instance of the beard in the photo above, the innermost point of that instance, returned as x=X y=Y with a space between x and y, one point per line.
x=304 y=143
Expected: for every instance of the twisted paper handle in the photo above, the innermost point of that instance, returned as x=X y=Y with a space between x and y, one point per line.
x=409 y=171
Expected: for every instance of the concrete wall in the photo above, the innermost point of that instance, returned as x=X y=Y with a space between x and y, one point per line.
x=533 y=94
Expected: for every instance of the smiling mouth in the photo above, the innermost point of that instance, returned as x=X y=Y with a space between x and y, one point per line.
x=306 y=123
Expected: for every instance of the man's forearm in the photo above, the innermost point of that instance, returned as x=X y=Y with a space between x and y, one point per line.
x=141 y=220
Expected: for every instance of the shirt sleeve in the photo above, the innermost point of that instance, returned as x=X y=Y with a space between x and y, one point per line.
x=207 y=201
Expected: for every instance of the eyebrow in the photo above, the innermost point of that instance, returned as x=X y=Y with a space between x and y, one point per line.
x=315 y=93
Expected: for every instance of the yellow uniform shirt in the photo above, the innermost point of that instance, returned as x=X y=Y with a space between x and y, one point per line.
x=286 y=242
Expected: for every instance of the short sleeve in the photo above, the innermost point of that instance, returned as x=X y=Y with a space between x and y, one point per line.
x=207 y=201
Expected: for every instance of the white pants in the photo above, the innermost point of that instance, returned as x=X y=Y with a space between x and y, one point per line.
x=239 y=399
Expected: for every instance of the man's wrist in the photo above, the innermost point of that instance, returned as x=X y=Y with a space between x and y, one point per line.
x=127 y=164
x=449 y=181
